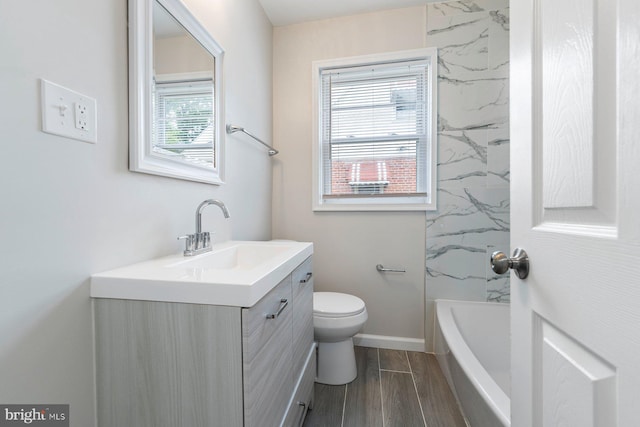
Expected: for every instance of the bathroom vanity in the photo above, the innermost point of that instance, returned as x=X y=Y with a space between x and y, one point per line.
x=207 y=359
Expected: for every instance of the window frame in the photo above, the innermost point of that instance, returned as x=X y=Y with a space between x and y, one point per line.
x=377 y=202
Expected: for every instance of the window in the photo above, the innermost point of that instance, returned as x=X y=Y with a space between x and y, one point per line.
x=183 y=125
x=375 y=142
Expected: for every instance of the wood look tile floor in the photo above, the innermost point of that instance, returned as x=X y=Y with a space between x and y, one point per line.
x=393 y=389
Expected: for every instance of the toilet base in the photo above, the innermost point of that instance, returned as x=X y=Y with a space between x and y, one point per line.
x=336 y=362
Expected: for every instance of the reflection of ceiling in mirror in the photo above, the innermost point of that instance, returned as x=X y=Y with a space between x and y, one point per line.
x=164 y=25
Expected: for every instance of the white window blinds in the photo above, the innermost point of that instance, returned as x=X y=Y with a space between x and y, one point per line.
x=183 y=124
x=375 y=123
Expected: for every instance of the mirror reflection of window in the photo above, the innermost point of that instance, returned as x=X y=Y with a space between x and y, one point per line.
x=183 y=120
x=183 y=127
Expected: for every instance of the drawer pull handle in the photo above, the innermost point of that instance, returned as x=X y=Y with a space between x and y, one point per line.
x=307 y=278
x=302 y=415
x=283 y=304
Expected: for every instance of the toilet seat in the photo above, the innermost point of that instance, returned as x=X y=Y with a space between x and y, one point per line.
x=336 y=305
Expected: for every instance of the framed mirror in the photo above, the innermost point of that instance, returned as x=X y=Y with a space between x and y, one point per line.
x=176 y=104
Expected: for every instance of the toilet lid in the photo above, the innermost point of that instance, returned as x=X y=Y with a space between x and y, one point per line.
x=334 y=304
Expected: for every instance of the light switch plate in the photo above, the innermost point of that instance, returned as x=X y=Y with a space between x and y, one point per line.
x=68 y=113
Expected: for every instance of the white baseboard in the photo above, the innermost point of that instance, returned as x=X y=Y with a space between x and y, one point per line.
x=393 y=343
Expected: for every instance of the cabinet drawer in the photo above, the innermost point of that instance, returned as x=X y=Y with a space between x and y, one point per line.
x=267 y=356
x=257 y=326
x=303 y=396
x=302 y=276
x=302 y=283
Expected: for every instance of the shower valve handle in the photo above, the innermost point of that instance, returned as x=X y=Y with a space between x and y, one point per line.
x=519 y=262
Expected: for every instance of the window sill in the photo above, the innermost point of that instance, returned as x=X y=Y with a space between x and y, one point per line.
x=374 y=207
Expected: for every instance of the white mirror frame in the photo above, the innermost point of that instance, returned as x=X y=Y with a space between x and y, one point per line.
x=141 y=89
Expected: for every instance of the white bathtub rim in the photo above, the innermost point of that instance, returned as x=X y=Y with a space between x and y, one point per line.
x=494 y=396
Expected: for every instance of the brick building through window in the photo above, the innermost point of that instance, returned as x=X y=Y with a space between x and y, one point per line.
x=389 y=176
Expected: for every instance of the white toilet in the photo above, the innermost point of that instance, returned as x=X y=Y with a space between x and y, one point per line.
x=337 y=318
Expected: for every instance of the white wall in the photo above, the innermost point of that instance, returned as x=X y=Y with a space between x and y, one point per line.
x=69 y=209
x=180 y=54
x=347 y=245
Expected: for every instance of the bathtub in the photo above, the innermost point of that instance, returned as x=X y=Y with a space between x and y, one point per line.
x=472 y=348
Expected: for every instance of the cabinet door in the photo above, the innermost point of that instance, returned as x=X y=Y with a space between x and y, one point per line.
x=302 y=399
x=161 y=364
x=302 y=279
x=267 y=355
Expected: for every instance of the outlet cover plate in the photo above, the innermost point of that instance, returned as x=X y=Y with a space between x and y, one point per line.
x=68 y=113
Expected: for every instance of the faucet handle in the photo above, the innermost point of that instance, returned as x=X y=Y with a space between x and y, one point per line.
x=206 y=239
x=189 y=240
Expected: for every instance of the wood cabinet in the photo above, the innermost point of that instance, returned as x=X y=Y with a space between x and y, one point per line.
x=303 y=347
x=174 y=364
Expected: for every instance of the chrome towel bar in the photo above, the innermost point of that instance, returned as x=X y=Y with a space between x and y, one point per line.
x=233 y=129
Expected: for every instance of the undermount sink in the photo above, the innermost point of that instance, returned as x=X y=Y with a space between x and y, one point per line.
x=235 y=273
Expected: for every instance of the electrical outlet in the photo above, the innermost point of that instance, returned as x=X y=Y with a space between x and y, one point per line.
x=81 y=116
x=68 y=113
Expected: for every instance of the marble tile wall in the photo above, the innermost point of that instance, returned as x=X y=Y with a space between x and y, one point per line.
x=472 y=218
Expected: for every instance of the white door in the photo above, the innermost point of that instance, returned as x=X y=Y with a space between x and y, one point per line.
x=575 y=162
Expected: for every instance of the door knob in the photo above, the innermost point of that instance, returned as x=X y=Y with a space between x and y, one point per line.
x=519 y=262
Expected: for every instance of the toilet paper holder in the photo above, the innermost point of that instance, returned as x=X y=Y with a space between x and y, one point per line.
x=382 y=269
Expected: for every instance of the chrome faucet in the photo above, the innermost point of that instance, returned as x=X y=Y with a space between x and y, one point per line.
x=200 y=242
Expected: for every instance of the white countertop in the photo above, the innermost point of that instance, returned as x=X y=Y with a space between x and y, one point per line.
x=234 y=273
